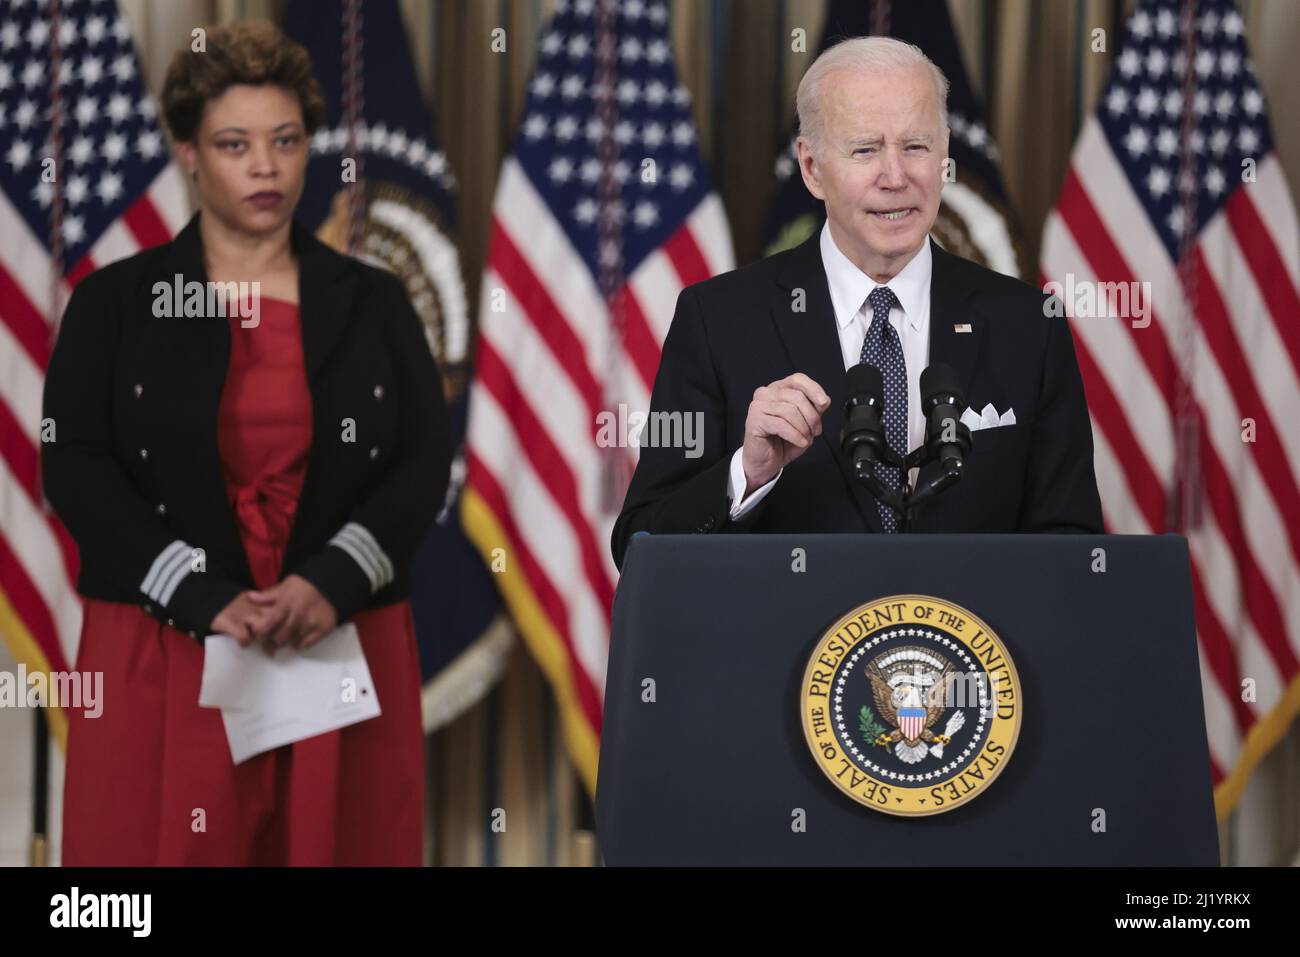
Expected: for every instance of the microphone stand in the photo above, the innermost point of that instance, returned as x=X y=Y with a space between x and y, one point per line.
x=905 y=499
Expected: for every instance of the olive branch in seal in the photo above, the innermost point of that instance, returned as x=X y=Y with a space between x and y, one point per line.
x=868 y=726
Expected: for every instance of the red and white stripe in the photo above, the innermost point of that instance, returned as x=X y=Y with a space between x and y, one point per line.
x=38 y=559
x=1246 y=342
x=544 y=339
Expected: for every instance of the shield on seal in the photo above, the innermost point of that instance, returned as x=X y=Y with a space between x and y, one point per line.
x=911 y=721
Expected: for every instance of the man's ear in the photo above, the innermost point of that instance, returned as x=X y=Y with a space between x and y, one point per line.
x=808 y=168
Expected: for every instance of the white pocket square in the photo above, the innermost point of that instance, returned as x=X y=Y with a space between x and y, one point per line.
x=988 y=418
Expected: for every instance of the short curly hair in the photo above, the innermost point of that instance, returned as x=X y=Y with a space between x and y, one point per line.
x=254 y=53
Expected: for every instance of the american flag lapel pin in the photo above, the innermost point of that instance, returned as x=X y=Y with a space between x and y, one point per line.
x=961 y=327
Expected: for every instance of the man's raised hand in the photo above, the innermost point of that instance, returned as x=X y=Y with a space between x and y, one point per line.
x=784 y=419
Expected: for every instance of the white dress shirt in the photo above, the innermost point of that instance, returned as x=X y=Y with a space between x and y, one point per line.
x=849 y=289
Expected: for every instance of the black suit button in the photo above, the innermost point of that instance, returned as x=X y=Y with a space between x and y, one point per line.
x=162 y=509
x=379 y=391
x=144 y=453
x=139 y=390
x=148 y=608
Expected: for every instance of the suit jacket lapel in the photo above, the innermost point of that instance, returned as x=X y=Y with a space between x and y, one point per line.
x=949 y=307
x=199 y=346
x=813 y=346
x=326 y=290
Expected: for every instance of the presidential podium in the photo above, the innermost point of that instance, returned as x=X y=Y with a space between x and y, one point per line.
x=708 y=754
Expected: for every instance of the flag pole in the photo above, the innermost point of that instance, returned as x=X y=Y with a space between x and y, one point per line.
x=353 y=117
x=1185 y=502
x=38 y=851
x=609 y=248
x=880 y=18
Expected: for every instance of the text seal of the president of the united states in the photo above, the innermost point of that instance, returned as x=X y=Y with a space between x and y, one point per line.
x=911 y=705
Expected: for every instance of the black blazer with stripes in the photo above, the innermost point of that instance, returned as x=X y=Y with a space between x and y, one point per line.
x=129 y=455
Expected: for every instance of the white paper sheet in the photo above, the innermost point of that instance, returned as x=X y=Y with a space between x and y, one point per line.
x=270 y=700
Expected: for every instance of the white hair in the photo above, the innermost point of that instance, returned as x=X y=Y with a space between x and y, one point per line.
x=866 y=55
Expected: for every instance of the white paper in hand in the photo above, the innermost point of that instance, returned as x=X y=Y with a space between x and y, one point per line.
x=267 y=701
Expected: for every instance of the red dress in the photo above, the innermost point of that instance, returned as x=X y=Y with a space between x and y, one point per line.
x=151 y=781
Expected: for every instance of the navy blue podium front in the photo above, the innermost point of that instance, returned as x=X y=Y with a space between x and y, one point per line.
x=705 y=753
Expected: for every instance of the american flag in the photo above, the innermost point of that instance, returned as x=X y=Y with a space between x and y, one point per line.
x=1175 y=182
x=603 y=213
x=85 y=179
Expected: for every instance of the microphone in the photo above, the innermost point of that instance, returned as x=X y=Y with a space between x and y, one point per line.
x=863 y=436
x=947 y=438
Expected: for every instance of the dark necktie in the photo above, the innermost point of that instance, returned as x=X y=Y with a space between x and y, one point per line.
x=883 y=350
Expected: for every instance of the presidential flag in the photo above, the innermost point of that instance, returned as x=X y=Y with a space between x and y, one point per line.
x=379 y=186
x=1174 y=247
x=85 y=179
x=603 y=213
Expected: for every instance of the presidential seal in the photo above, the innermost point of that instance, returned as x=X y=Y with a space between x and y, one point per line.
x=910 y=705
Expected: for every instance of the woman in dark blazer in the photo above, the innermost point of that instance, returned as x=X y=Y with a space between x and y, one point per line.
x=265 y=472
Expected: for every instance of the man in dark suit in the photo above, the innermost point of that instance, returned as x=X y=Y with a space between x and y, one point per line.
x=759 y=354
